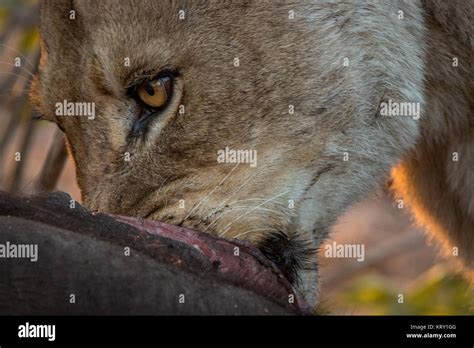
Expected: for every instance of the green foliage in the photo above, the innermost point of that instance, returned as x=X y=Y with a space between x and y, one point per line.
x=3 y=17
x=436 y=293
x=30 y=40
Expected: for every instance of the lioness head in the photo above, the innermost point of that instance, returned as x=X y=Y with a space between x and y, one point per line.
x=247 y=119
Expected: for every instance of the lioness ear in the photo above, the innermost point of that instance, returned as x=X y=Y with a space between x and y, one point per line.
x=61 y=40
x=60 y=27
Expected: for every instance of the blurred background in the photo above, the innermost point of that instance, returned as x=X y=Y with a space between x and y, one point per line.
x=399 y=259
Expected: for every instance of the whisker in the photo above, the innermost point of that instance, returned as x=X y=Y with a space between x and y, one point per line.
x=256 y=199
x=243 y=200
x=16 y=91
x=162 y=183
x=21 y=54
x=225 y=213
x=237 y=208
x=208 y=195
x=221 y=205
x=13 y=65
x=17 y=75
x=241 y=216
x=253 y=231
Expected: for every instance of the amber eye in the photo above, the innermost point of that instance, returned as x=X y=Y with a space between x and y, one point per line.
x=155 y=93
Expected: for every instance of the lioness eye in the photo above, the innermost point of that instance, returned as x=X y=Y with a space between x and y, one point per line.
x=155 y=93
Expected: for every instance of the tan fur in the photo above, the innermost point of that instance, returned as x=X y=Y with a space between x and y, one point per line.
x=440 y=190
x=282 y=62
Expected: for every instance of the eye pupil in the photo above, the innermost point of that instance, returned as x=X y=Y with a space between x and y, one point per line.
x=149 y=89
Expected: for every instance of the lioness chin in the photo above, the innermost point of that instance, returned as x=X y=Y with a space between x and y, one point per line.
x=265 y=121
